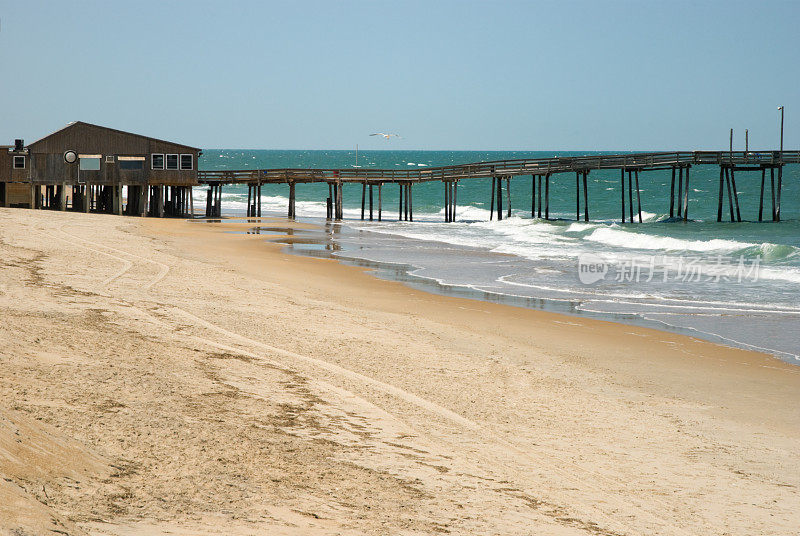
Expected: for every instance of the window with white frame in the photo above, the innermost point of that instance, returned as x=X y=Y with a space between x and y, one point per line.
x=187 y=161
x=19 y=162
x=172 y=161
x=157 y=161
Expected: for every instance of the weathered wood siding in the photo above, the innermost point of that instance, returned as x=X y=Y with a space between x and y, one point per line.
x=48 y=166
x=7 y=171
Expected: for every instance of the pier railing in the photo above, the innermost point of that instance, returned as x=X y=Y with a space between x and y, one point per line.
x=538 y=166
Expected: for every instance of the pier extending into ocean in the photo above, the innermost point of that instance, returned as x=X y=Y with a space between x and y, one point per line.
x=540 y=171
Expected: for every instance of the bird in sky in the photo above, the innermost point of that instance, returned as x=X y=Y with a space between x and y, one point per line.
x=386 y=136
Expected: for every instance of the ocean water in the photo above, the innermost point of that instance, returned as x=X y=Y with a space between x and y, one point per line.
x=735 y=283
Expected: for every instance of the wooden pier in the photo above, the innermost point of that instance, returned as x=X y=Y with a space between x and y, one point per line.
x=502 y=171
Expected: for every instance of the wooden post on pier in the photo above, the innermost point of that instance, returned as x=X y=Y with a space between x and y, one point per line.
x=622 y=191
x=455 y=200
x=547 y=196
x=258 y=196
x=735 y=195
x=577 y=196
x=686 y=195
x=400 y=206
x=339 y=195
x=209 y=201
x=719 y=196
x=761 y=196
x=370 y=202
x=499 y=199
x=780 y=183
x=533 y=196
x=638 y=196
x=292 y=212
x=249 y=213
x=363 y=198
x=380 y=202
x=491 y=203
x=539 y=200
x=410 y=202
x=586 y=195
x=672 y=195
x=446 y=201
x=508 y=196
x=630 y=195
x=329 y=203
x=730 y=195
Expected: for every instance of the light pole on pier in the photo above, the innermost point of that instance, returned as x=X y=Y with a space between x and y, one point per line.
x=781 y=109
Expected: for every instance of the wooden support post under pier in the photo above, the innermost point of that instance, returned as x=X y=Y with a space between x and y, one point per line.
x=761 y=196
x=533 y=196
x=577 y=196
x=638 y=195
x=508 y=196
x=380 y=203
x=772 y=189
x=62 y=196
x=499 y=199
x=453 y=188
x=630 y=195
x=585 y=196
x=410 y=203
x=672 y=195
x=491 y=202
x=547 y=196
x=249 y=211
x=780 y=183
x=622 y=192
x=735 y=195
x=686 y=195
x=363 y=198
x=370 y=202
x=446 y=201
x=730 y=195
x=400 y=206
x=539 y=200
x=719 y=196
x=339 y=208
x=291 y=200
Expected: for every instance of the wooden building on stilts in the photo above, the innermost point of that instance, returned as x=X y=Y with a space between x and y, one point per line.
x=90 y=168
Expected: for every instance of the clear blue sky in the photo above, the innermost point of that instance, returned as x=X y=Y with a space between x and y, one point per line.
x=443 y=74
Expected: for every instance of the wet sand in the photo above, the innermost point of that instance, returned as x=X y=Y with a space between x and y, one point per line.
x=163 y=376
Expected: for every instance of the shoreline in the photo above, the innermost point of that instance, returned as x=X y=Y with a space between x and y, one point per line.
x=286 y=394
x=403 y=272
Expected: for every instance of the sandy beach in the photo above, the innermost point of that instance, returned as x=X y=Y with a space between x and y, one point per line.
x=172 y=377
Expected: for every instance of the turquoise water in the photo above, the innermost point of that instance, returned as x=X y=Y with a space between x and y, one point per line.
x=733 y=282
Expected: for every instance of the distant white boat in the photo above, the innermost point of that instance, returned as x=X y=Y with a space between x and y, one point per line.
x=356 y=164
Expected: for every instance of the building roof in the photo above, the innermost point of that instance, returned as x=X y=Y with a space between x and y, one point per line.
x=74 y=123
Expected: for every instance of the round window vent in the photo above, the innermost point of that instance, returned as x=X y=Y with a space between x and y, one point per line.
x=70 y=157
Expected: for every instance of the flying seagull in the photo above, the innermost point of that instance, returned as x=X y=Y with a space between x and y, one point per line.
x=387 y=136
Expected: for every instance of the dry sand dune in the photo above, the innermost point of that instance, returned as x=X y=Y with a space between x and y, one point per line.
x=166 y=377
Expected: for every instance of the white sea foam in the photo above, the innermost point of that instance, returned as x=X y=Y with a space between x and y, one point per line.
x=625 y=239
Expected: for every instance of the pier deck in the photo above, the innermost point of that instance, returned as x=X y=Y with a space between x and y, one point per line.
x=631 y=163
